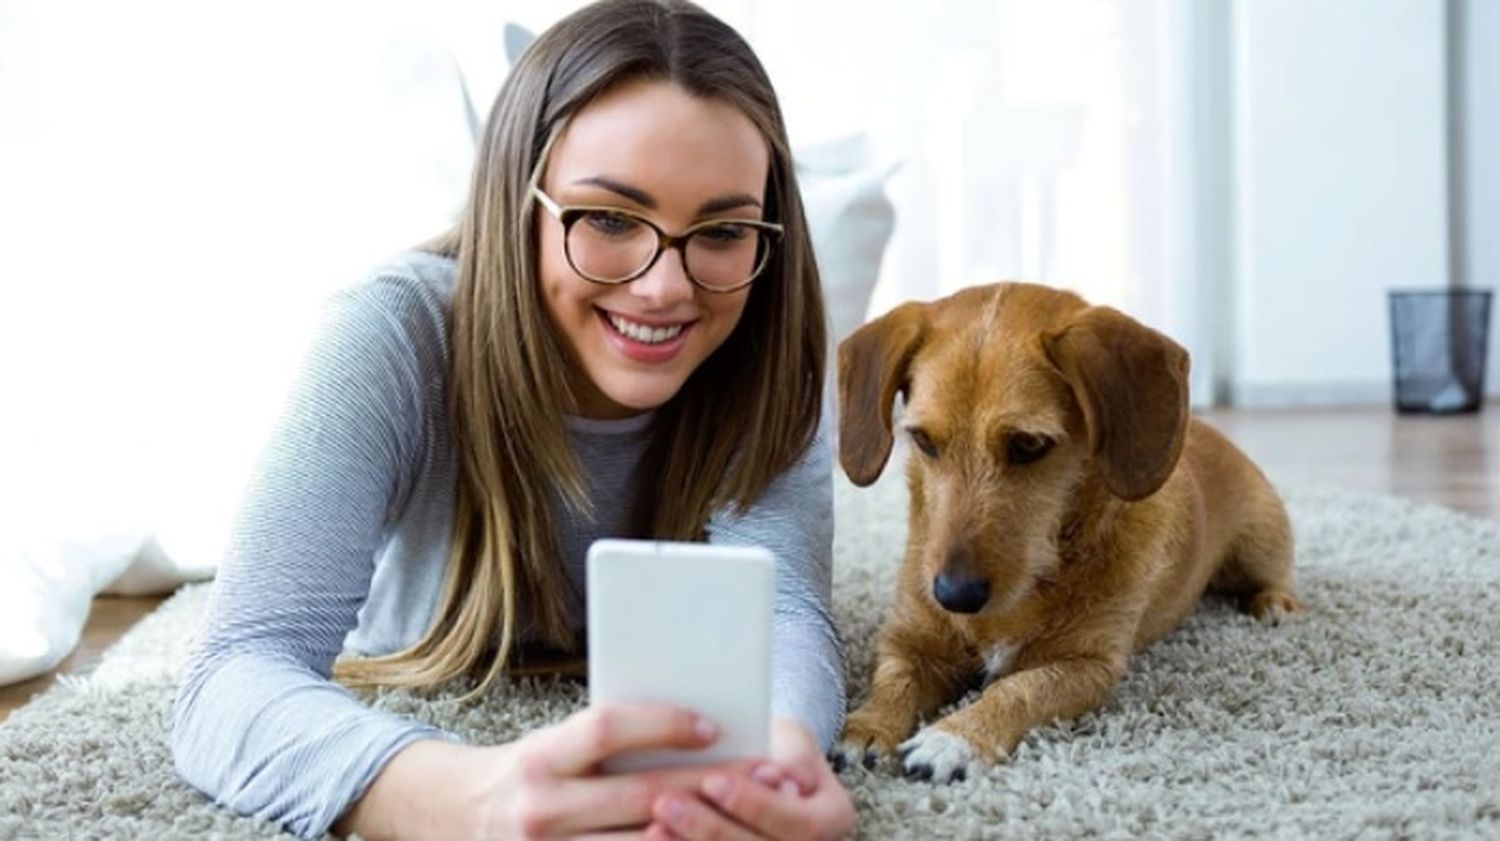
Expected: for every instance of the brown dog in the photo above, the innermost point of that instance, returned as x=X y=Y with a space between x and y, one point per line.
x=1065 y=513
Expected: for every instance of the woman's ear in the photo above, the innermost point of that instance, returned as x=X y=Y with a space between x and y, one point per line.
x=1132 y=384
x=873 y=363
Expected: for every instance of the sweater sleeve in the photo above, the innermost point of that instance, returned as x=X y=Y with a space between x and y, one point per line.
x=794 y=519
x=257 y=725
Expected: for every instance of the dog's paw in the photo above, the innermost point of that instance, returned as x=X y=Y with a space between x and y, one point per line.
x=937 y=755
x=847 y=754
x=1270 y=606
x=861 y=743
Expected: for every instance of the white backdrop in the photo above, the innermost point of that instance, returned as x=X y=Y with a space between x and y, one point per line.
x=182 y=182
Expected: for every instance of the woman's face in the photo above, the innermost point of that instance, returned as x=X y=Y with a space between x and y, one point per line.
x=652 y=148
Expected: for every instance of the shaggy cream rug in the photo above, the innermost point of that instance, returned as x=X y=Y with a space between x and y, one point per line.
x=1375 y=714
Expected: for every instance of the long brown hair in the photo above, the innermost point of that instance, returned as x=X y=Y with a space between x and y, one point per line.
x=744 y=416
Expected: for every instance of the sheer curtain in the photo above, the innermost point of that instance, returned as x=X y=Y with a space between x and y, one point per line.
x=183 y=182
x=1055 y=142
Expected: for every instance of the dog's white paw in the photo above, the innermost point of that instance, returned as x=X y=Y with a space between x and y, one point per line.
x=938 y=755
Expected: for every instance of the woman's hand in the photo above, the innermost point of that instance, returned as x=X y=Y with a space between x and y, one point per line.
x=793 y=795
x=545 y=784
x=550 y=786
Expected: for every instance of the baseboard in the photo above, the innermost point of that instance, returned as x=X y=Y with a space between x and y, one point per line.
x=1298 y=395
x=1291 y=395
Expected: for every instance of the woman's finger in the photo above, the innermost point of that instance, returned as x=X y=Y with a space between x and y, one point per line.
x=614 y=800
x=776 y=814
x=659 y=832
x=589 y=803
x=585 y=739
x=795 y=754
x=690 y=778
x=781 y=776
x=691 y=819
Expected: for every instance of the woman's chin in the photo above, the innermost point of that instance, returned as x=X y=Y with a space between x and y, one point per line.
x=636 y=397
x=639 y=402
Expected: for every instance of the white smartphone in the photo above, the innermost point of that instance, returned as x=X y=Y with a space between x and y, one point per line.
x=687 y=624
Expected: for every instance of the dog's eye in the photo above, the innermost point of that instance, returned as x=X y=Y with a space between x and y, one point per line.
x=923 y=443
x=1025 y=448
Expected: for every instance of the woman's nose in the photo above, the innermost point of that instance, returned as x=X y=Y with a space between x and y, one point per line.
x=665 y=283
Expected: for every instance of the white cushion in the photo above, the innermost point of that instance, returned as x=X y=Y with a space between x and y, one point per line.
x=850 y=219
x=46 y=587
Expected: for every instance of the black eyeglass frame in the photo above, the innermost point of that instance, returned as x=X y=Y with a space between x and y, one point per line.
x=568 y=215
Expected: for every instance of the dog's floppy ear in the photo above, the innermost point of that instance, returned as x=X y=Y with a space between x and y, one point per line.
x=872 y=368
x=1132 y=384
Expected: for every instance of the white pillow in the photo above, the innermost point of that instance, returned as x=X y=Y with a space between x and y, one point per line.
x=47 y=585
x=174 y=556
x=850 y=219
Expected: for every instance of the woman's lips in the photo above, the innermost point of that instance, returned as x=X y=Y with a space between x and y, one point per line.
x=643 y=351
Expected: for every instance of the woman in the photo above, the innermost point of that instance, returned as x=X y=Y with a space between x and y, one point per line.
x=624 y=335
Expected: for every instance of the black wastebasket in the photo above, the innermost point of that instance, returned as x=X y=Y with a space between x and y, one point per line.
x=1438 y=344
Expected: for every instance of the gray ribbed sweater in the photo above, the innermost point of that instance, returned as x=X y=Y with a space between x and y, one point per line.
x=342 y=536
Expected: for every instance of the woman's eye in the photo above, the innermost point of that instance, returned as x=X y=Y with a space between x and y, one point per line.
x=1025 y=448
x=611 y=224
x=721 y=235
x=923 y=443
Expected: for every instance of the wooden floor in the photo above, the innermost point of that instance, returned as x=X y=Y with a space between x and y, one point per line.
x=1452 y=461
x=109 y=618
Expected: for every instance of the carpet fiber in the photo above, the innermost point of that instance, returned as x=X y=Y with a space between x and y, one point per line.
x=1375 y=714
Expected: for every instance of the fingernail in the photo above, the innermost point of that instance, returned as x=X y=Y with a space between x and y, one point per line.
x=790 y=787
x=767 y=775
x=716 y=786
x=673 y=808
x=707 y=729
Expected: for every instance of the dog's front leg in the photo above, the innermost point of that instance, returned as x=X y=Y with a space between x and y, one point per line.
x=992 y=726
x=911 y=680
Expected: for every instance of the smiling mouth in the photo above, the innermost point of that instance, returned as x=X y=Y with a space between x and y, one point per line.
x=644 y=333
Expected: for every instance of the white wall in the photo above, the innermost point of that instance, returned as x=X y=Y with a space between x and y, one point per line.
x=1340 y=144
x=180 y=185
x=1477 y=260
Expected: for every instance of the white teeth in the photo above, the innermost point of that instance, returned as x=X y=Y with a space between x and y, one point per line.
x=642 y=333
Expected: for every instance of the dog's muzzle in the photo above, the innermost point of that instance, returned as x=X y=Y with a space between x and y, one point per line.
x=959 y=594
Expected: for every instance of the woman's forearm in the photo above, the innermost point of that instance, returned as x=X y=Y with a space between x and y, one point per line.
x=266 y=737
x=427 y=790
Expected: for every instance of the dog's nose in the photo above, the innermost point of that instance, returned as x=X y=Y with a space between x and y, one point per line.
x=959 y=594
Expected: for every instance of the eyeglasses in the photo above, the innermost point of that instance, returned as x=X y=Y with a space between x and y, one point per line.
x=611 y=245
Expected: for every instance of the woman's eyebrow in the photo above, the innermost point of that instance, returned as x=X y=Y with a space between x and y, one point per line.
x=640 y=197
x=723 y=203
x=644 y=199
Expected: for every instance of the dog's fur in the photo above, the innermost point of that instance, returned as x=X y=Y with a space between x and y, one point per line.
x=1089 y=551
